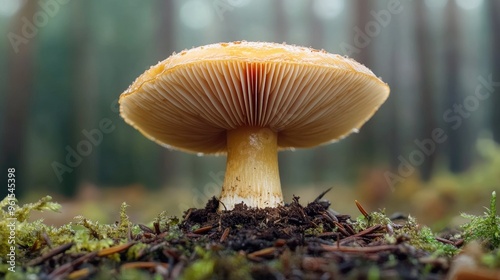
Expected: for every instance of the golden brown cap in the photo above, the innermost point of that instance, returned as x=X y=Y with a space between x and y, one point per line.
x=189 y=100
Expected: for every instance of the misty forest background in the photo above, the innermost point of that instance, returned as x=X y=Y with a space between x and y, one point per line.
x=65 y=79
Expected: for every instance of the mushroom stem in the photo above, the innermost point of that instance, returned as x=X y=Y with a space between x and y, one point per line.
x=252 y=174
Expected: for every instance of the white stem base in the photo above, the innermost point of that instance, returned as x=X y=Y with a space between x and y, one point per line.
x=252 y=174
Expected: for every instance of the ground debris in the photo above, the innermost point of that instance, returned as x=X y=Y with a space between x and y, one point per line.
x=288 y=242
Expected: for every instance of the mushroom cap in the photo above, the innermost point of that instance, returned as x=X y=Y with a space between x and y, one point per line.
x=309 y=97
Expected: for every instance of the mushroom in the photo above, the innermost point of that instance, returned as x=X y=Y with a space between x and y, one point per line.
x=248 y=100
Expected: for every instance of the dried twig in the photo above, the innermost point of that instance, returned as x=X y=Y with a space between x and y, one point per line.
x=80 y=274
x=367 y=231
x=320 y=196
x=146 y=265
x=349 y=229
x=114 y=249
x=445 y=241
x=362 y=210
x=203 y=230
x=69 y=267
x=224 y=235
x=341 y=228
x=347 y=249
x=145 y=228
x=157 y=227
x=50 y=254
x=266 y=252
x=190 y=210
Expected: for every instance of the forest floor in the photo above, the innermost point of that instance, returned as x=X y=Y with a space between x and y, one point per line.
x=287 y=242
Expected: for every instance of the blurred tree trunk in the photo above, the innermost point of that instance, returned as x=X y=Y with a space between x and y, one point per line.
x=84 y=97
x=167 y=28
x=494 y=9
x=395 y=56
x=166 y=46
x=426 y=76
x=364 y=140
x=280 y=24
x=457 y=147
x=229 y=32
x=316 y=29
x=17 y=100
x=362 y=16
x=321 y=156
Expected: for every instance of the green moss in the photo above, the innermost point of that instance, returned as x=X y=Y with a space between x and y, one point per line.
x=214 y=266
x=171 y=224
x=134 y=252
x=374 y=218
x=131 y=274
x=87 y=243
x=165 y=222
x=30 y=273
x=423 y=238
x=200 y=269
x=195 y=227
x=117 y=231
x=23 y=213
x=235 y=267
x=492 y=259
x=26 y=233
x=486 y=228
x=419 y=237
x=314 y=231
x=31 y=236
x=373 y=273
x=124 y=225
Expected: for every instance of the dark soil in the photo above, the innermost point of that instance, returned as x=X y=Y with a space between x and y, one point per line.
x=288 y=242
x=288 y=234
